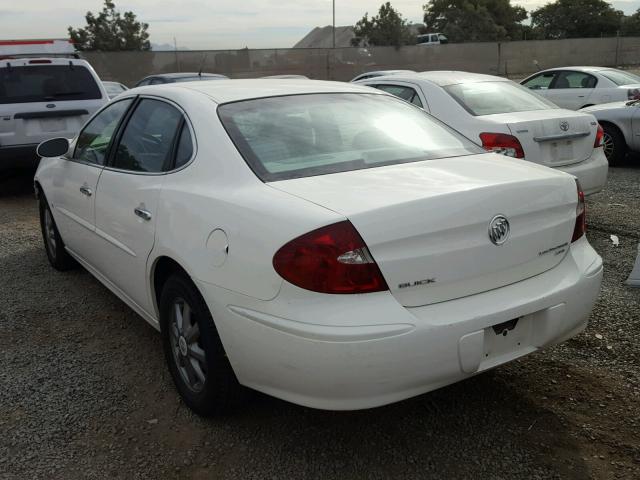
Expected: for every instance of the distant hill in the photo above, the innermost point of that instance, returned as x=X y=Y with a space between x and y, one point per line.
x=322 y=37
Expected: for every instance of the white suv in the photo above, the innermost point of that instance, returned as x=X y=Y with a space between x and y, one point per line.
x=42 y=98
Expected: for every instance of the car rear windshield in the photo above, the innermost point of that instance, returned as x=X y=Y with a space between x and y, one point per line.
x=619 y=77
x=306 y=135
x=488 y=98
x=47 y=83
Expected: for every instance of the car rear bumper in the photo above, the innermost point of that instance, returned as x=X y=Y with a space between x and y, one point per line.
x=347 y=352
x=18 y=156
x=592 y=173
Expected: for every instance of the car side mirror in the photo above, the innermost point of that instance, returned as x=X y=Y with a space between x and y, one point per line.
x=56 y=147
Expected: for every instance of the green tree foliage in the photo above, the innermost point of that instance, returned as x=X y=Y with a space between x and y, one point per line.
x=111 y=31
x=576 y=18
x=387 y=28
x=631 y=25
x=475 y=20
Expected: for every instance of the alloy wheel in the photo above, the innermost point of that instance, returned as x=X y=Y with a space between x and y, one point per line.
x=50 y=232
x=186 y=346
x=608 y=145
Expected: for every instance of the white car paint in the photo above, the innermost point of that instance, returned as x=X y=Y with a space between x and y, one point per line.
x=578 y=87
x=538 y=131
x=423 y=219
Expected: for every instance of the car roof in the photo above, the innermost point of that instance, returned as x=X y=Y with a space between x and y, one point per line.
x=41 y=61
x=225 y=91
x=446 y=77
x=578 y=69
x=385 y=72
x=186 y=74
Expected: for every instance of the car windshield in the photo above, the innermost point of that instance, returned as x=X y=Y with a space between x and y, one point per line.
x=619 y=77
x=305 y=135
x=488 y=98
x=47 y=83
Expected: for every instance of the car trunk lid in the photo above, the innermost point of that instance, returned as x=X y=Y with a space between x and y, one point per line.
x=554 y=137
x=427 y=223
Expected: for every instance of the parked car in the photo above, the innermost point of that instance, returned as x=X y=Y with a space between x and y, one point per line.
x=324 y=243
x=579 y=87
x=42 y=98
x=620 y=122
x=379 y=73
x=428 y=39
x=504 y=117
x=114 y=89
x=286 y=77
x=162 y=78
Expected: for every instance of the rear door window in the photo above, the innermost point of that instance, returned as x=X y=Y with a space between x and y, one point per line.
x=47 y=83
x=147 y=142
x=574 y=80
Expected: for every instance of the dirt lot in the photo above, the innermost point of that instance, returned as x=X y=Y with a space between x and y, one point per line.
x=84 y=392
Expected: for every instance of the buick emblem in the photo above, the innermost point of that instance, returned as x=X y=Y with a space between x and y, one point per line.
x=499 y=230
x=564 y=125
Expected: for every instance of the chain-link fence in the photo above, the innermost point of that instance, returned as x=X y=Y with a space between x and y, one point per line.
x=507 y=58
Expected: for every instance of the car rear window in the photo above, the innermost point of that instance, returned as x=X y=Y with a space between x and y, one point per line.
x=305 y=135
x=47 y=83
x=619 y=77
x=488 y=98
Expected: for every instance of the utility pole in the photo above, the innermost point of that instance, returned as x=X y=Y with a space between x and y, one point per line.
x=334 y=23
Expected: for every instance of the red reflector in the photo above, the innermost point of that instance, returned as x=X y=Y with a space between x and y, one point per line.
x=599 y=136
x=39 y=61
x=331 y=259
x=581 y=215
x=502 y=143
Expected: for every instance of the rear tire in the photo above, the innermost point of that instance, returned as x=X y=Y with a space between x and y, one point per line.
x=193 y=351
x=614 y=145
x=53 y=244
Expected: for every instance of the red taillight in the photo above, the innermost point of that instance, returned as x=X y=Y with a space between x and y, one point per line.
x=33 y=62
x=599 y=136
x=581 y=216
x=331 y=259
x=502 y=143
x=633 y=94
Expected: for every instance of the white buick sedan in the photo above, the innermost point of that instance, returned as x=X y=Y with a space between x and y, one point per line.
x=321 y=242
x=504 y=117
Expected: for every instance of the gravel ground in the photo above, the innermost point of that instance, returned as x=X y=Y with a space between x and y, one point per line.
x=84 y=392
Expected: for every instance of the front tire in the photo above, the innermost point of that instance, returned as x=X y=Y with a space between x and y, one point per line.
x=193 y=351
x=53 y=244
x=614 y=145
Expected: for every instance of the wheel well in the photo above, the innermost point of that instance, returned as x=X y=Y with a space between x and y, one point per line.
x=613 y=125
x=164 y=268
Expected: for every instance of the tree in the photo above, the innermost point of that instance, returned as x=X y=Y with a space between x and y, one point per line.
x=387 y=28
x=631 y=25
x=576 y=18
x=110 y=31
x=475 y=20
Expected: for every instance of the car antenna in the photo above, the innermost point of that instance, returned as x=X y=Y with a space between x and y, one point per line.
x=204 y=57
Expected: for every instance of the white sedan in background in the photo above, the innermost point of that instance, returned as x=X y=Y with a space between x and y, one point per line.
x=579 y=87
x=506 y=118
x=321 y=242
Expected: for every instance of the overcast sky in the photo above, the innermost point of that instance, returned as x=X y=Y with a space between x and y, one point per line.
x=212 y=24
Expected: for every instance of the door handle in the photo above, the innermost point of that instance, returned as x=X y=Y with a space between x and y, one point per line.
x=142 y=213
x=86 y=191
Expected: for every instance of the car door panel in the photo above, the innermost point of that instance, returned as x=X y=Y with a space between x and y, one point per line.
x=128 y=196
x=571 y=89
x=125 y=239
